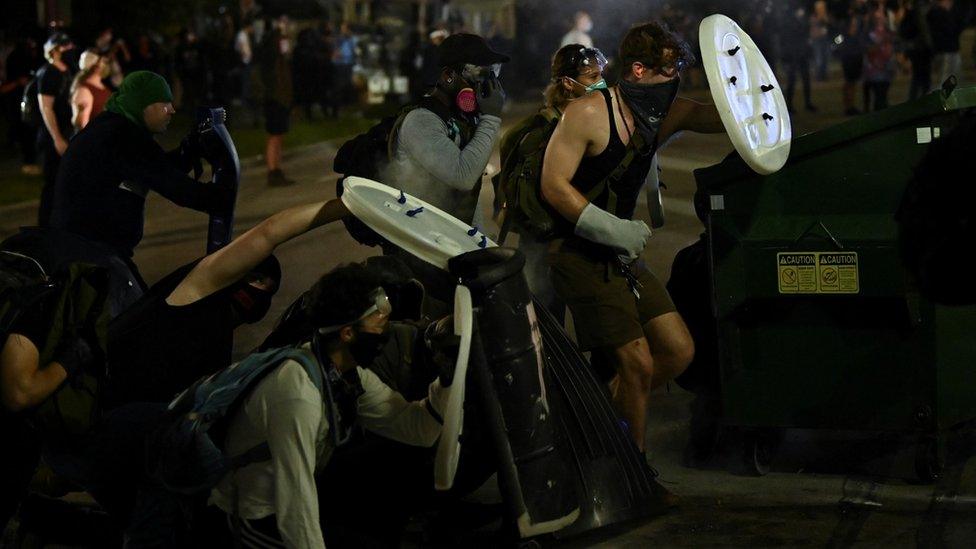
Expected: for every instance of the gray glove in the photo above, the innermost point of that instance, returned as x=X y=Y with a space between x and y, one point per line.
x=491 y=97
x=627 y=237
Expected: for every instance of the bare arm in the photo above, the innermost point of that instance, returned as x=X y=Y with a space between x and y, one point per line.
x=229 y=264
x=565 y=150
x=51 y=122
x=689 y=115
x=23 y=383
x=81 y=107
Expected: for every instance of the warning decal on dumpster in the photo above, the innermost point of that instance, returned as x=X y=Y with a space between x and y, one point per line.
x=817 y=272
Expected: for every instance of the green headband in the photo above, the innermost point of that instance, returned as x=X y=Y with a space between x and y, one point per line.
x=139 y=90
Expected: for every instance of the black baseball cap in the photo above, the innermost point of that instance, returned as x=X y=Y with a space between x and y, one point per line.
x=462 y=48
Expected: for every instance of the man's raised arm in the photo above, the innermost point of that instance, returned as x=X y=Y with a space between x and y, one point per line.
x=229 y=264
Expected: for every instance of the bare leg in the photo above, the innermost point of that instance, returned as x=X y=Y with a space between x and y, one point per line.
x=671 y=347
x=632 y=386
x=272 y=152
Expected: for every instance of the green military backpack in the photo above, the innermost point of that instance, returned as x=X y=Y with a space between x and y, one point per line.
x=518 y=184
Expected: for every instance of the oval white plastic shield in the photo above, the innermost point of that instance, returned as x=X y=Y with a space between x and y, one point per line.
x=746 y=93
x=410 y=223
x=449 y=447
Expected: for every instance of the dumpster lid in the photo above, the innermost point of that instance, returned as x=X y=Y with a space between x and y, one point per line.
x=746 y=94
x=415 y=226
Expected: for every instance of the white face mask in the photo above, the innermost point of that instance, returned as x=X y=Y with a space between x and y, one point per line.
x=586 y=26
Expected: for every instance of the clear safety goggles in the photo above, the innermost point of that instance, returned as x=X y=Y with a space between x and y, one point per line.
x=582 y=59
x=381 y=304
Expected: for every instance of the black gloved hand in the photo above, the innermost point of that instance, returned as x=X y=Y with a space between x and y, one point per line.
x=439 y=338
x=191 y=153
x=74 y=356
x=223 y=199
x=491 y=97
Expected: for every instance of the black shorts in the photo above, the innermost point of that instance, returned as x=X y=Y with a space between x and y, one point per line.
x=853 y=68
x=276 y=118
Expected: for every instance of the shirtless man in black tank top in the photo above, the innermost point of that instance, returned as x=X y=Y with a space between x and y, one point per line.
x=621 y=311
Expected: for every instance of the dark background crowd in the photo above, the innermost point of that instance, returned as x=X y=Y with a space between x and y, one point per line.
x=330 y=55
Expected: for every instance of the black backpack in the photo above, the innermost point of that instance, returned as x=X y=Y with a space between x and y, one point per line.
x=23 y=284
x=30 y=109
x=367 y=154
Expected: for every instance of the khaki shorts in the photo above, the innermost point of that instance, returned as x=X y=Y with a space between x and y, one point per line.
x=605 y=311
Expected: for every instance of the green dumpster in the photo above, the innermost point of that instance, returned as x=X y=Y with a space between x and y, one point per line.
x=819 y=325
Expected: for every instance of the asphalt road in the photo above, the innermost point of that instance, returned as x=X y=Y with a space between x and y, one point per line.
x=811 y=498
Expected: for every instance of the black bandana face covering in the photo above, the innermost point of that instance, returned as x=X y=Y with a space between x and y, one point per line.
x=650 y=103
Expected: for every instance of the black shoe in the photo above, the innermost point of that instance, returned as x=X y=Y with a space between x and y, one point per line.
x=276 y=178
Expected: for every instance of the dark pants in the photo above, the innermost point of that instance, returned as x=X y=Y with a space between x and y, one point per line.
x=798 y=64
x=878 y=91
x=921 y=74
x=50 y=162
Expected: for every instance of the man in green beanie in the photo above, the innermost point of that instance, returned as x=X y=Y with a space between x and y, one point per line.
x=110 y=167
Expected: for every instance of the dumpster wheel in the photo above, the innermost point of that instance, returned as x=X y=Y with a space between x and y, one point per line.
x=758 y=450
x=929 y=459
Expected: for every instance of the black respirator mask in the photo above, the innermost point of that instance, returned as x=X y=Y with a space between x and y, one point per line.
x=473 y=78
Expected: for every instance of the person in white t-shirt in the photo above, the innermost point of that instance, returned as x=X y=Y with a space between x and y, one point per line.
x=580 y=33
x=275 y=503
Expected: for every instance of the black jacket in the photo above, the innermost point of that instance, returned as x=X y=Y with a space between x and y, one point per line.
x=105 y=175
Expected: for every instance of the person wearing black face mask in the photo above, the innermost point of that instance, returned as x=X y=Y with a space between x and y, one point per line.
x=183 y=327
x=620 y=310
x=348 y=312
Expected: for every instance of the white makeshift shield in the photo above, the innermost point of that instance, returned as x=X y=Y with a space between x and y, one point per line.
x=410 y=223
x=746 y=93
x=449 y=446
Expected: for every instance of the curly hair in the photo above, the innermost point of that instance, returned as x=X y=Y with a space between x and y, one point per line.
x=341 y=295
x=653 y=44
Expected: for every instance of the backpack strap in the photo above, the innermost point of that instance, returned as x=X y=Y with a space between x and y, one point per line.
x=636 y=147
x=275 y=358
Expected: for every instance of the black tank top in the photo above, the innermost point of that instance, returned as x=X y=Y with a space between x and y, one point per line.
x=593 y=169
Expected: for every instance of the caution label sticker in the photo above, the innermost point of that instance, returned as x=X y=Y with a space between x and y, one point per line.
x=817 y=272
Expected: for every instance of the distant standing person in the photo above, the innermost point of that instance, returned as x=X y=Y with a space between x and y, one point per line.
x=276 y=76
x=852 y=54
x=796 y=57
x=580 y=33
x=879 y=63
x=343 y=59
x=19 y=64
x=820 y=38
x=191 y=69
x=53 y=84
x=914 y=30
x=88 y=92
x=946 y=24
